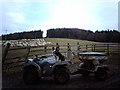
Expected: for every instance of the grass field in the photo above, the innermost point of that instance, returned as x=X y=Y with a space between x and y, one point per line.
x=60 y=41
x=64 y=41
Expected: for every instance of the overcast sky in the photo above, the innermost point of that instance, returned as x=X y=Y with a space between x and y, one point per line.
x=27 y=15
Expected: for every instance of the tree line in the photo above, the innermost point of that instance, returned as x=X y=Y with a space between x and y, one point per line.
x=23 y=35
x=75 y=33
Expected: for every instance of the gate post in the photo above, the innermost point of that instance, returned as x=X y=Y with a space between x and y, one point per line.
x=69 y=53
x=78 y=48
x=28 y=51
x=45 y=48
x=5 y=52
x=108 y=52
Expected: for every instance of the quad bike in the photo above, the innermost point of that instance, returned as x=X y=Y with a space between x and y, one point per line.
x=55 y=65
x=92 y=63
x=46 y=66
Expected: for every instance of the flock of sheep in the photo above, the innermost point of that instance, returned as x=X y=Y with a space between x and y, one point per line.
x=26 y=42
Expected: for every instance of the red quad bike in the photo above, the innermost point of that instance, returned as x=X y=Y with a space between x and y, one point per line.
x=92 y=63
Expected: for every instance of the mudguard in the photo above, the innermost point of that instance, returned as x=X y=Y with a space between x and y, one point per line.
x=35 y=65
x=59 y=65
x=105 y=67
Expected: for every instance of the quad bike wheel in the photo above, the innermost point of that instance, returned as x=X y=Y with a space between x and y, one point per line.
x=101 y=74
x=62 y=75
x=85 y=74
x=30 y=76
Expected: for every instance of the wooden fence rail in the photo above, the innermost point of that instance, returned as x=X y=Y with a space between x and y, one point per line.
x=15 y=56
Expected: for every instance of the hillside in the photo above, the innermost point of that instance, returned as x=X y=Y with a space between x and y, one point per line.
x=65 y=41
x=46 y=41
x=81 y=34
x=23 y=35
x=71 y=33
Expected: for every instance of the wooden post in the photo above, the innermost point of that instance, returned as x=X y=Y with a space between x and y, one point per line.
x=108 y=49
x=5 y=52
x=86 y=47
x=78 y=48
x=94 y=47
x=28 y=51
x=69 y=53
x=4 y=67
x=45 y=49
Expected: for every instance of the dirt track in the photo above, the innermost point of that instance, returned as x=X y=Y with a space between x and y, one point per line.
x=76 y=81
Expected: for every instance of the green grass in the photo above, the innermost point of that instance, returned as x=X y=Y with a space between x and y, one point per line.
x=64 y=41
